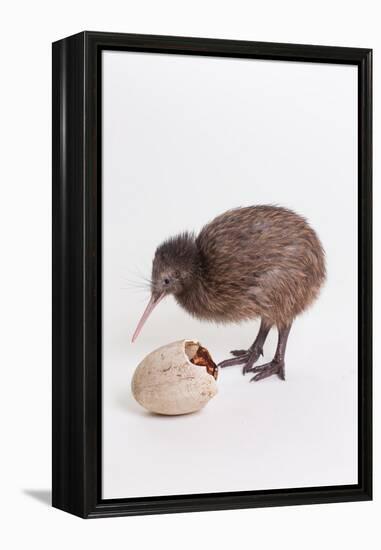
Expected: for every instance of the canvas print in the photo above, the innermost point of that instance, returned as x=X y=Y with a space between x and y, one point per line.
x=229 y=250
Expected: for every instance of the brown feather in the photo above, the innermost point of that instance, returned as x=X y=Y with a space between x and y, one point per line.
x=257 y=261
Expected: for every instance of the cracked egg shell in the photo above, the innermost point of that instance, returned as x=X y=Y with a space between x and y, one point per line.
x=168 y=382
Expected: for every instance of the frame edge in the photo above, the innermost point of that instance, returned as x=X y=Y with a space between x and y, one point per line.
x=68 y=422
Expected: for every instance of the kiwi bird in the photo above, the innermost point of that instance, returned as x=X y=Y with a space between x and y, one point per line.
x=251 y=262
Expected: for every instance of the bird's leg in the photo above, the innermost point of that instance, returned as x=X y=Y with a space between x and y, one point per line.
x=250 y=356
x=276 y=366
x=258 y=342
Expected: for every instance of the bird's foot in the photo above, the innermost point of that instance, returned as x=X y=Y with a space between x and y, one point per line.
x=275 y=366
x=247 y=358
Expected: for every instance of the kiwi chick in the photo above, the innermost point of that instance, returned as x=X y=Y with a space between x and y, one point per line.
x=252 y=262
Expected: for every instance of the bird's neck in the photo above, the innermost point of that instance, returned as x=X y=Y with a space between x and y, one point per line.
x=195 y=295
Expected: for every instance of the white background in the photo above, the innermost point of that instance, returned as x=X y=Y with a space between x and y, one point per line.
x=27 y=30
x=186 y=138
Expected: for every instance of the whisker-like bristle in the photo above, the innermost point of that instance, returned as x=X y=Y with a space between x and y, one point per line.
x=136 y=281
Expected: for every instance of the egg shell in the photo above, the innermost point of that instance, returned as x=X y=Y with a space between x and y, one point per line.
x=166 y=382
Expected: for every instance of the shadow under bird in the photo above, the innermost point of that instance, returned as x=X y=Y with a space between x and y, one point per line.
x=252 y=262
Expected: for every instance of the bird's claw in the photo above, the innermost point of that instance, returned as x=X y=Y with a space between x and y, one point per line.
x=238 y=352
x=246 y=368
x=268 y=369
x=252 y=358
x=234 y=361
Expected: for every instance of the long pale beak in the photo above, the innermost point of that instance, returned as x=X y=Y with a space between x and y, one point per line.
x=147 y=312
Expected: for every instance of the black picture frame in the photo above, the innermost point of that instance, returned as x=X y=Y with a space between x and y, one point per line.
x=77 y=257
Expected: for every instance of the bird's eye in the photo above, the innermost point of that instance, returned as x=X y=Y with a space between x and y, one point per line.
x=166 y=281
